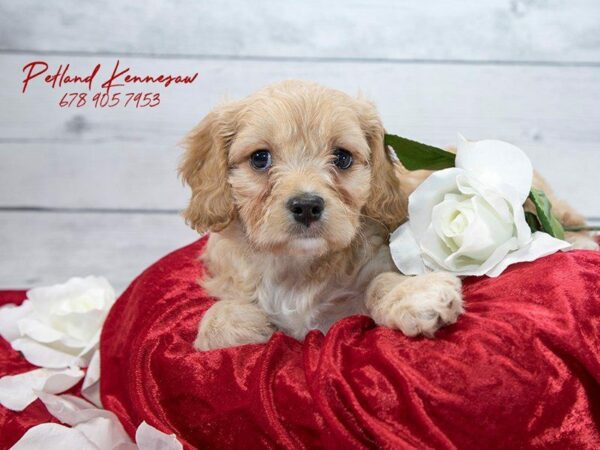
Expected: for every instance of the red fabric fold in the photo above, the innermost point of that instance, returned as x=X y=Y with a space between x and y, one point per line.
x=520 y=369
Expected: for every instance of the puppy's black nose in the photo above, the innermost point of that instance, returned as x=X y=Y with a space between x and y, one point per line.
x=306 y=208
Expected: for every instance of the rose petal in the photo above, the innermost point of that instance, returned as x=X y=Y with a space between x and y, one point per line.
x=70 y=409
x=428 y=194
x=83 y=326
x=63 y=380
x=45 y=299
x=44 y=356
x=52 y=436
x=405 y=251
x=38 y=331
x=99 y=426
x=523 y=232
x=507 y=205
x=444 y=217
x=88 y=351
x=480 y=269
x=105 y=433
x=435 y=252
x=542 y=244
x=469 y=185
x=18 y=391
x=496 y=163
x=9 y=319
x=437 y=256
x=91 y=383
x=149 y=438
x=486 y=233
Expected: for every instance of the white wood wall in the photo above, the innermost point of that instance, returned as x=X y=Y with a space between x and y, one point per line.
x=86 y=191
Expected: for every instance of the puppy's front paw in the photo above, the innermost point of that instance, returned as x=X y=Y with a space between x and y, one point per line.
x=421 y=304
x=229 y=324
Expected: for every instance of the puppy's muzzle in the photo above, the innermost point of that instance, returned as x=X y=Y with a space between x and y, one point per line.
x=306 y=208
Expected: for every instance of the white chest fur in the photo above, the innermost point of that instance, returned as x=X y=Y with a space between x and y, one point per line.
x=296 y=303
x=297 y=293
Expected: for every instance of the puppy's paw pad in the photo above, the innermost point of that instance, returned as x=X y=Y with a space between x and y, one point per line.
x=424 y=304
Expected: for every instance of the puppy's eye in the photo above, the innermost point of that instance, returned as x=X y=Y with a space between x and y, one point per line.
x=342 y=158
x=261 y=159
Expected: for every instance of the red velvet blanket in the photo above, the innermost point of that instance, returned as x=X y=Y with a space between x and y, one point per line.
x=520 y=369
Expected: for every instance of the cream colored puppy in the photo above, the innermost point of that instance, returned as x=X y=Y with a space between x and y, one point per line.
x=300 y=196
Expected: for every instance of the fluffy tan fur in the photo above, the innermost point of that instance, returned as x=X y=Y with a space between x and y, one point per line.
x=267 y=272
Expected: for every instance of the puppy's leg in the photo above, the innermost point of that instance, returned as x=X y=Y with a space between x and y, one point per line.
x=230 y=323
x=566 y=215
x=415 y=305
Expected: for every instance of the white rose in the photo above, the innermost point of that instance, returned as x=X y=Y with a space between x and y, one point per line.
x=469 y=219
x=59 y=326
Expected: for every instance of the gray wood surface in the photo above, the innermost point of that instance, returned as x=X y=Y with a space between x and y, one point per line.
x=45 y=248
x=490 y=30
x=95 y=190
x=127 y=158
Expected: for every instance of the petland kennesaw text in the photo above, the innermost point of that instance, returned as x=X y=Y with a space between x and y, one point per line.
x=119 y=77
x=109 y=93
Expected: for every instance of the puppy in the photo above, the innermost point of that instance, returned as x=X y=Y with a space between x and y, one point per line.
x=300 y=195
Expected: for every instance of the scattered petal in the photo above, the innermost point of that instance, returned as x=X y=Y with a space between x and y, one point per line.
x=53 y=436
x=149 y=438
x=71 y=410
x=91 y=383
x=105 y=433
x=99 y=426
x=18 y=391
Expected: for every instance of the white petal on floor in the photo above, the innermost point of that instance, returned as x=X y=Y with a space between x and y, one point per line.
x=91 y=383
x=18 y=391
x=100 y=426
x=52 y=436
x=149 y=438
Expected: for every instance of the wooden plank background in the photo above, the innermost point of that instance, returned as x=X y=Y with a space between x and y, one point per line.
x=94 y=191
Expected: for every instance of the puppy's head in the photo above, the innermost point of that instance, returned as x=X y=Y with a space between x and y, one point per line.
x=298 y=165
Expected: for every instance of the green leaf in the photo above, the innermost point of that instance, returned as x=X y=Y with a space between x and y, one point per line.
x=533 y=222
x=543 y=208
x=416 y=156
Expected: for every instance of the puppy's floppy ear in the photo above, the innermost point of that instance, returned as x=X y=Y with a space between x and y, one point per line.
x=204 y=168
x=387 y=203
